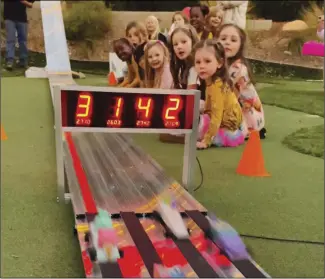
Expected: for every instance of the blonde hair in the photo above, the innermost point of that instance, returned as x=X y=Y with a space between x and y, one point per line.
x=154 y=35
x=140 y=29
x=186 y=21
x=214 y=11
x=150 y=78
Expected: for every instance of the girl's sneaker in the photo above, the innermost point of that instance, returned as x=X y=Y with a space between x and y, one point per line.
x=262 y=133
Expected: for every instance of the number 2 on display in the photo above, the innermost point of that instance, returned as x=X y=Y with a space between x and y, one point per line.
x=171 y=111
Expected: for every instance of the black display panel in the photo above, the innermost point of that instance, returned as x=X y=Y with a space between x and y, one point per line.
x=95 y=109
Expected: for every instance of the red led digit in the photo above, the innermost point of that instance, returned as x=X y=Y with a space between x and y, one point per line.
x=84 y=109
x=118 y=107
x=144 y=108
x=171 y=111
x=115 y=120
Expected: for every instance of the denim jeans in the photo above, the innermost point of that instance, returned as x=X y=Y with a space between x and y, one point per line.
x=21 y=28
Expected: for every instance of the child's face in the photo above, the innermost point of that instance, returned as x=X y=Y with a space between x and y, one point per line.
x=123 y=51
x=182 y=45
x=151 y=25
x=215 y=20
x=156 y=57
x=206 y=63
x=178 y=20
x=230 y=40
x=133 y=37
x=197 y=18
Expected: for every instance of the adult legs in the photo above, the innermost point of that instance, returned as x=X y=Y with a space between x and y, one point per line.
x=22 y=40
x=11 y=41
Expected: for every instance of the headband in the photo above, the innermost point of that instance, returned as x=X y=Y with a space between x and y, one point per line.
x=152 y=43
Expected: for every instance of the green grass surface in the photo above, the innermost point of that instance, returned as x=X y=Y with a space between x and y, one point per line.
x=307 y=140
x=36 y=232
x=302 y=96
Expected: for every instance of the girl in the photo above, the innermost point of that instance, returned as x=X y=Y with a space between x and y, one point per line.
x=182 y=66
x=198 y=16
x=157 y=71
x=220 y=125
x=179 y=19
x=153 y=29
x=214 y=20
x=183 y=40
x=138 y=36
x=136 y=33
x=233 y=39
x=124 y=50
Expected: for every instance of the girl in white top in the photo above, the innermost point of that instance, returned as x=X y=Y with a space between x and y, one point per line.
x=233 y=40
x=182 y=41
x=182 y=68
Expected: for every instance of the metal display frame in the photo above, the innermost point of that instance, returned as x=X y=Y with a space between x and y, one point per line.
x=190 y=134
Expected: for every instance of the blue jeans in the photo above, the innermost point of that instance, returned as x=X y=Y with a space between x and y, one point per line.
x=21 y=28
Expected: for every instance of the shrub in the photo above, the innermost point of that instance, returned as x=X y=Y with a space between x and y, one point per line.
x=86 y=20
x=284 y=10
x=152 y=6
x=310 y=17
x=2 y=18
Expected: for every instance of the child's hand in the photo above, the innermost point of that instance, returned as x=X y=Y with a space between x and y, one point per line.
x=247 y=105
x=201 y=145
x=257 y=105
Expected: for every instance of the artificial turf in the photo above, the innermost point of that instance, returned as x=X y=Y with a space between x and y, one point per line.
x=36 y=232
x=308 y=140
x=305 y=96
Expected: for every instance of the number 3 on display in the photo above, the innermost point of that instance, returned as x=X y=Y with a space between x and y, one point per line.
x=84 y=108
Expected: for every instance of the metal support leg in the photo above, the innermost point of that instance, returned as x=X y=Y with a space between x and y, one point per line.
x=189 y=161
x=67 y=194
x=59 y=144
x=190 y=150
x=60 y=166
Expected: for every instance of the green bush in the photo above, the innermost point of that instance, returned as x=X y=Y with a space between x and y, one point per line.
x=86 y=20
x=310 y=17
x=152 y=6
x=2 y=17
x=285 y=10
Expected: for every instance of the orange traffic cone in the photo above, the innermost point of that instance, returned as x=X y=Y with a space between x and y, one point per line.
x=252 y=161
x=3 y=134
x=111 y=79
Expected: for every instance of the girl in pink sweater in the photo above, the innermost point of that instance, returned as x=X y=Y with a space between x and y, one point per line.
x=156 y=68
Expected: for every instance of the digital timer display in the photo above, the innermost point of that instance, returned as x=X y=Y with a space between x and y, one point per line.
x=126 y=110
